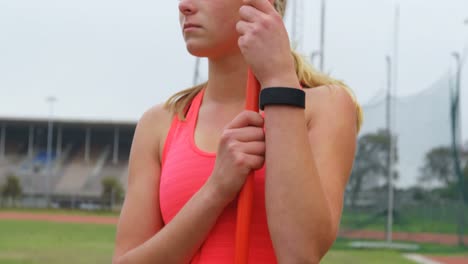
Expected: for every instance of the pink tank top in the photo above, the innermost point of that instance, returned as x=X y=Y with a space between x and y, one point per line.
x=185 y=168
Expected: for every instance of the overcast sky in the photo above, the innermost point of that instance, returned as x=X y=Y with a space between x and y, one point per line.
x=113 y=59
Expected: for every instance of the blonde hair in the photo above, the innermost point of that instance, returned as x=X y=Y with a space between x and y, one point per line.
x=307 y=75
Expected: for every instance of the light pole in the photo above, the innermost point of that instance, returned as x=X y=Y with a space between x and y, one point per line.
x=314 y=55
x=50 y=100
x=294 y=23
x=196 y=73
x=322 y=36
x=455 y=118
x=390 y=151
x=456 y=92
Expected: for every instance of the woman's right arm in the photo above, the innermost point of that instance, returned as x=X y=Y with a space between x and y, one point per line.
x=141 y=235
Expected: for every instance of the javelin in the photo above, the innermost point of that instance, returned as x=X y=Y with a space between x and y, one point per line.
x=245 y=202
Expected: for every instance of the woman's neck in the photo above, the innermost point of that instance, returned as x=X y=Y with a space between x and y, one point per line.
x=227 y=80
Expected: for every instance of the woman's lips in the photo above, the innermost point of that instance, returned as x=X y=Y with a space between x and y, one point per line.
x=190 y=27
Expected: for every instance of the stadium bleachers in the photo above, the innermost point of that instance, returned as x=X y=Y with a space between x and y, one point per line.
x=74 y=172
x=118 y=171
x=11 y=159
x=74 y=175
x=78 y=176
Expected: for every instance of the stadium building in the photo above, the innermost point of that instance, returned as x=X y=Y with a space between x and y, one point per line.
x=82 y=153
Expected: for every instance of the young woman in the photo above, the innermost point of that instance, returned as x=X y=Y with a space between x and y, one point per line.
x=191 y=155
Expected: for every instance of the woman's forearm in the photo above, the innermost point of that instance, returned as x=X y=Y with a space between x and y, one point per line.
x=178 y=241
x=297 y=209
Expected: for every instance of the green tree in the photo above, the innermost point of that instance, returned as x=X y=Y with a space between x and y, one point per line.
x=12 y=188
x=465 y=171
x=438 y=166
x=112 y=191
x=465 y=175
x=371 y=163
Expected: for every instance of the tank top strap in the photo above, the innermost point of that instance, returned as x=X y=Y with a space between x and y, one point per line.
x=195 y=107
x=170 y=136
x=176 y=122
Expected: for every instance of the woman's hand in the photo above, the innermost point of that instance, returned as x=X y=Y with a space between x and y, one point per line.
x=264 y=42
x=241 y=149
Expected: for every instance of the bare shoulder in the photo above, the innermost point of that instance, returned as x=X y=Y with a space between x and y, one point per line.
x=155 y=122
x=155 y=117
x=331 y=104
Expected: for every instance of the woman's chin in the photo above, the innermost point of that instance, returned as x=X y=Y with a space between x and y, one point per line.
x=198 y=51
x=209 y=50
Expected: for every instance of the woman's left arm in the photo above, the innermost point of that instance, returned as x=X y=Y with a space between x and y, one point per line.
x=309 y=157
x=309 y=153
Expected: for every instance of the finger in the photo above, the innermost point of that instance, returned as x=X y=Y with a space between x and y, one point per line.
x=246 y=118
x=254 y=162
x=243 y=27
x=249 y=13
x=245 y=134
x=264 y=6
x=253 y=148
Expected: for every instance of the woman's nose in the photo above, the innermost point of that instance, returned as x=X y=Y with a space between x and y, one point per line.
x=187 y=7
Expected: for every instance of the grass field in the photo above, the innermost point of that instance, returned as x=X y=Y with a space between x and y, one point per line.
x=28 y=242
x=62 y=211
x=364 y=257
x=24 y=242
x=415 y=219
x=426 y=249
